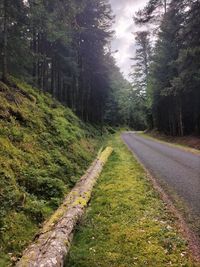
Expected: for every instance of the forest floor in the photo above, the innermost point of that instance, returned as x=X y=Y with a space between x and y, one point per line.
x=127 y=224
x=190 y=141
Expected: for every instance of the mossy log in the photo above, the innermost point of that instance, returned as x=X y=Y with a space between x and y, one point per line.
x=52 y=243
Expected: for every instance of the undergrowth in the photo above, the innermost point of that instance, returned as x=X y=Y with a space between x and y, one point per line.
x=127 y=224
x=44 y=149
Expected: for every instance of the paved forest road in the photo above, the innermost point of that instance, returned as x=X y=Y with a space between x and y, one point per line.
x=179 y=169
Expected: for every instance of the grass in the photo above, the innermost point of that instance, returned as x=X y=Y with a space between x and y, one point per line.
x=193 y=219
x=44 y=150
x=126 y=223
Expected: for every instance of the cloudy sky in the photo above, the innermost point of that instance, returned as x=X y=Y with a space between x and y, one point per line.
x=124 y=28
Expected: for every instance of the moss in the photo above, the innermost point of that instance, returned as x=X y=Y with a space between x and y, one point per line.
x=127 y=224
x=44 y=150
x=80 y=201
x=105 y=154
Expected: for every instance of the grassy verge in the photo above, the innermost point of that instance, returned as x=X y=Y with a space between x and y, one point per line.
x=127 y=224
x=192 y=219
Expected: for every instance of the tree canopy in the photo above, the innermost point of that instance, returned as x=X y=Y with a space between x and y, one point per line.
x=63 y=48
x=172 y=90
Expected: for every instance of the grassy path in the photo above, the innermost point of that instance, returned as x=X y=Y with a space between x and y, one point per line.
x=126 y=224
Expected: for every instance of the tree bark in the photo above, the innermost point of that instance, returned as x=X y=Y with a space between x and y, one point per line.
x=5 y=44
x=53 y=242
x=181 y=130
x=165 y=6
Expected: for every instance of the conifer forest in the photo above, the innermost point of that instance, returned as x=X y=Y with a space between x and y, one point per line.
x=63 y=47
x=99 y=133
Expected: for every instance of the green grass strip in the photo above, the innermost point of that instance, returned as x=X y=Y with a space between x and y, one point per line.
x=127 y=224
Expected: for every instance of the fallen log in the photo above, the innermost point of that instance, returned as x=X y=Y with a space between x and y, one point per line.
x=52 y=243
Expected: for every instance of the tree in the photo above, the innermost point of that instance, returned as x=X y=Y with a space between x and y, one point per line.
x=117 y=109
x=12 y=21
x=188 y=65
x=168 y=92
x=140 y=70
x=95 y=22
x=152 y=12
x=60 y=47
x=140 y=77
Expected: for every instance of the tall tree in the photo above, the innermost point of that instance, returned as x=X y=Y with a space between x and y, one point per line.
x=187 y=80
x=95 y=22
x=12 y=20
x=140 y=78
x=167 y=96
x=152 y=12
x=140 y=68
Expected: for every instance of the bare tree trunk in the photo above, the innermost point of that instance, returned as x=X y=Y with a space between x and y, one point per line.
x=5 y=44
x=53 y=75
x=53 y=242
x=165 y=6
x=181 y=121
x=34 y=49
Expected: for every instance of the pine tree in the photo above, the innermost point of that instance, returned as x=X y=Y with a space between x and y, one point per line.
x=152 y=12
x=140 y=79
x=188 y=65
x=95 y=22
x=167 y=101
x=12 y=21
x=142 y=60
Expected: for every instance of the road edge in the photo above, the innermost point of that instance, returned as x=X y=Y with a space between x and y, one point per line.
x=182 y=226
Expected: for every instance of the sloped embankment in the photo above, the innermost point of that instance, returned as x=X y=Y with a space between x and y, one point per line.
x=44 y=149
x=53 y=243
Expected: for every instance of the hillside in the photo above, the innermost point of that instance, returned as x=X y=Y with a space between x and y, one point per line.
x=44 y=149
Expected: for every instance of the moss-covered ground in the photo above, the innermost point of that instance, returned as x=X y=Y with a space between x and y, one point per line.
x=187 y=143
x=44 y=150
x=127 y=224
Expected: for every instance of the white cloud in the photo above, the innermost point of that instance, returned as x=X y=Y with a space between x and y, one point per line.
x=124 y=27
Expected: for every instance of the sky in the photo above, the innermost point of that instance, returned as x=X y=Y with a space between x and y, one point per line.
x=124 y=27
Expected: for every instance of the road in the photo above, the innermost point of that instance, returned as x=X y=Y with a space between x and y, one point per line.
x=179 y=169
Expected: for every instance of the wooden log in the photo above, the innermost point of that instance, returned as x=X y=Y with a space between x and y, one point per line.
x=52 y=243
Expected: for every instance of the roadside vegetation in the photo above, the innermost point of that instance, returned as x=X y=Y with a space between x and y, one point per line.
x=49 y=135
x=127 y=224
x=44 y=150
x=185 y=144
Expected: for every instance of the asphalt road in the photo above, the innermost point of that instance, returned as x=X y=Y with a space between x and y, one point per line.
x=179 y=169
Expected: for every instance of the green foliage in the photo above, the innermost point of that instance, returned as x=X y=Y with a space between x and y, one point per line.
x=140 y=113
x=118 y=105
x=59 y=47
x=175 y=71
x=44 y=149
x=173 y=97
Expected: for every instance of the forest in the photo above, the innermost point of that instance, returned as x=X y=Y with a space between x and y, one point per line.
x=64 y=101
x=63 y=48
x=166 y=74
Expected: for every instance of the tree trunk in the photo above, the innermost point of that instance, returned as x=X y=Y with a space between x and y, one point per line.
x=181 y=130
x=53 y=242
x=34 y=49
x=165 y=6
